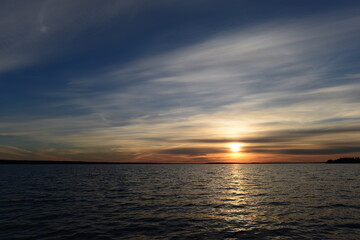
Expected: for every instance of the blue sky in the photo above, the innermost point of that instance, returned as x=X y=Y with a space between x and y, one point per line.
x=179 y=81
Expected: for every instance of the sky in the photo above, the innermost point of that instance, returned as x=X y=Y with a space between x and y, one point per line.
x=179 y=81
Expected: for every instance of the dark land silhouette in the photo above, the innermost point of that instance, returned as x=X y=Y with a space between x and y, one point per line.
x=345 y=160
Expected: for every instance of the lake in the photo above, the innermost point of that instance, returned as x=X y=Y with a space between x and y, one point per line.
x=180 y=201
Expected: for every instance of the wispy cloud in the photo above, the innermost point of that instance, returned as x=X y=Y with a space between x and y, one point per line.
x=284 y=136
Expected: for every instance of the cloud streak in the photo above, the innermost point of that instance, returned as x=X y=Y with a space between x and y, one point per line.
x=284 y=136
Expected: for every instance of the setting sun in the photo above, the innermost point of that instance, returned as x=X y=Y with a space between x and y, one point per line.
x=235 y=147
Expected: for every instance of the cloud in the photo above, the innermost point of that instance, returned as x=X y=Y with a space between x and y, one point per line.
x=325 y=151
x=192 y=151
x=305 y=151
x=285 y=136
x=14 y=151
x=280 y=149
x=272 y=65
x=316 y=141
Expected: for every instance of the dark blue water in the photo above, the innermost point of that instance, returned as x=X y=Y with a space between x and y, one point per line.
x=263 y=201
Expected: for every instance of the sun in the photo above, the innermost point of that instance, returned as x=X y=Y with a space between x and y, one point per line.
x=235 y=147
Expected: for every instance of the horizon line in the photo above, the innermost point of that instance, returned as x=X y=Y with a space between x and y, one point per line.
x=8 y=161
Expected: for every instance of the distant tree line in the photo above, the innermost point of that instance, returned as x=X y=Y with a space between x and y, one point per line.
x=345 y=160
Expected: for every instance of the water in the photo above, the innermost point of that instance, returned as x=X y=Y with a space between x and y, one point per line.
x=263 y=201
